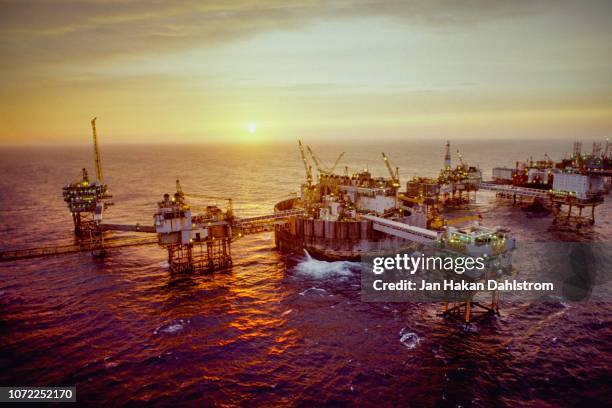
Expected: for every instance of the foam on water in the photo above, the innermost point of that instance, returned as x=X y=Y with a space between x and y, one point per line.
x=313 y=289
x=233 y=335
x=172 y=327
x=317 y=269
x=409 y=339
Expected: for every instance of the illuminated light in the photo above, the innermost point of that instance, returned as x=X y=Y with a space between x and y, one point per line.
x=251 y=127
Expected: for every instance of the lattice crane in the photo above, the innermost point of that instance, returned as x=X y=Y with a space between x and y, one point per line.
x=98 y=160
x=319 y=165
x=307 y=167
x=230 y=202
x=394 y=174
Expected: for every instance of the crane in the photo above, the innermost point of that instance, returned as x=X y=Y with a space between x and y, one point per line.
x=230 y=202
x=460 y=157
x=98 y=160
x=336 y=162
x=318 y=163
x=394 y=174
x=315 y=160
x=307 y=167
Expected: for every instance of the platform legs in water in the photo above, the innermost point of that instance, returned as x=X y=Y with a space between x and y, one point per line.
x=201 y=256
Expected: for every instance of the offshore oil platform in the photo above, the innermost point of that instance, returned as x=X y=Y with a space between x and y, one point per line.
x=87 y=200
x=342 y=216
x=566 y=188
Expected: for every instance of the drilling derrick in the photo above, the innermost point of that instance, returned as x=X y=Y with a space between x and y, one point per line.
x=577 y=150
x=457 y=183
x=88 y=199
x=447 y=156
x=596 y=150
x=447 y=173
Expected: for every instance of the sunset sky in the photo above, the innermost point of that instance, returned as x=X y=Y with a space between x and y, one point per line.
x=235 y=71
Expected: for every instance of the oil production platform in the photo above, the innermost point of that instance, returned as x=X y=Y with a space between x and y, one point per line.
x=344 y=216
x=566 y=188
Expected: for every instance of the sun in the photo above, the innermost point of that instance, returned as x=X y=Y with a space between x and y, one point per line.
x=252 y=127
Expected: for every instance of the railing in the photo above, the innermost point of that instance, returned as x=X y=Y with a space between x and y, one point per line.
x=269 y=217
x=27 y=253
x=401 y=230
x=524 y=191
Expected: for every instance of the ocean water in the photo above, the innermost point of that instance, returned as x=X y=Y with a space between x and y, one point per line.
x=275 y=329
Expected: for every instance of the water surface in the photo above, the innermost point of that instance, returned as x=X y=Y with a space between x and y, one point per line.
x=274 y=329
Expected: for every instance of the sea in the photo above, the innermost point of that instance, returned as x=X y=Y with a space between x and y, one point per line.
x=275 y=329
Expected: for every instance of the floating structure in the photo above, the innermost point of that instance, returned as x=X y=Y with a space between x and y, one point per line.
x=349 y=217
x=336 y=216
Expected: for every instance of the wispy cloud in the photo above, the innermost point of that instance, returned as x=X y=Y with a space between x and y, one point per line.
x=298 y=63
x=55 y=32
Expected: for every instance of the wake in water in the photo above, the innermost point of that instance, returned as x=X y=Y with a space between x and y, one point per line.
x=323 y=269
x=409 y=339
x=318 y=291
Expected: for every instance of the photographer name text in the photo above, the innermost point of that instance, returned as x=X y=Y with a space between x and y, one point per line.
x=452 y=285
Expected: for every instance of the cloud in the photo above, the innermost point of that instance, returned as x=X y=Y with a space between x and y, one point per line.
x=64 y=32
x=330 y=62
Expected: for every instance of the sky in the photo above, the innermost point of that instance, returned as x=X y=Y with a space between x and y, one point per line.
x=244 y=71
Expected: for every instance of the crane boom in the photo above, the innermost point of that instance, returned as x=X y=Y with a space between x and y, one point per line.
x=394 y=175
x=230 y=202
x=460 y=157
x=98 y=160
x=306 y=166
x=319 y=163
x=315 y=160
x=336 y=163
x=548 y=159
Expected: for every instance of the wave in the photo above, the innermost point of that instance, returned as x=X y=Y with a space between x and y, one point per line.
x=172 y=327
x=317 y=269
x=409 y=339
x=318 y=290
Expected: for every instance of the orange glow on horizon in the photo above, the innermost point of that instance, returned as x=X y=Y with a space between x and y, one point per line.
x=432 y=70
